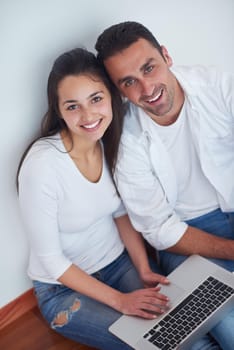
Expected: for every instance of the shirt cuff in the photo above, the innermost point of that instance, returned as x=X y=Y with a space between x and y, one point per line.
x=167 y=236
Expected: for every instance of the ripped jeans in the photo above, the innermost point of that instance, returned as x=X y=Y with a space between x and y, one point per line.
x=81 y=318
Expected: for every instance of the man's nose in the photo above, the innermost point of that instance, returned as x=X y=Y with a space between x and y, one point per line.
x=147 y=88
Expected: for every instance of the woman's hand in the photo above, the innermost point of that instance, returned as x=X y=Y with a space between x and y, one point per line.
x=145 y=303
x=151 y=279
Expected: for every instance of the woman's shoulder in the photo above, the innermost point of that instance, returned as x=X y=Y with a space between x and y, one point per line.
x=46 y=147
x=43 y=155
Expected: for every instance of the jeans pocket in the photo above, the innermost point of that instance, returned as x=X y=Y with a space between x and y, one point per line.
x=44 y=291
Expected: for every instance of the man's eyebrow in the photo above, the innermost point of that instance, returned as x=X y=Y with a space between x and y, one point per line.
x=145 y=65
x=142 y=68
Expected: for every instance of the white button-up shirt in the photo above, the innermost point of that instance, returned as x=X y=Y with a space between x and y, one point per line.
x=145 y=175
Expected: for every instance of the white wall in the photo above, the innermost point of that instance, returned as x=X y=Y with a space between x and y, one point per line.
x=33 y=33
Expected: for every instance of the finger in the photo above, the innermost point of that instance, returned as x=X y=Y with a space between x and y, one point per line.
x=154 y=279
x=163 y=279
x=152 y=300
x=157 y=288
x=157 y=278
x=155 y=292
x=150 y=295
x=160 y=302
x=156 y=301
x=145 y=314
x=162 y=297
x=154 y=308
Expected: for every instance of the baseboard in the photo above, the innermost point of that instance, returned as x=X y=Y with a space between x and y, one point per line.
x=17 y=308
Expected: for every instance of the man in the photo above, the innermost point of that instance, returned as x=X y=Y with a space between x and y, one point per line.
x=175 y=166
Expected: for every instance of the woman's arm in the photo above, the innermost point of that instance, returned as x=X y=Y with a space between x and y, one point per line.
x=135 y=303
x=39 y=202
x=134 y=243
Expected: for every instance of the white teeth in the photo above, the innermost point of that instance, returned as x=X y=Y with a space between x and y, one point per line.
x=159 y=94
x=90 y=126
x=153 y=99
x=156 y=97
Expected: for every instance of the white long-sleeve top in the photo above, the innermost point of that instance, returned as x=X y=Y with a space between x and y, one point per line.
x=68 y=219
x=145 y=174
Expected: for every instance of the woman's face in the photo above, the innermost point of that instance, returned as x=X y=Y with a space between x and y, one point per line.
x=85 y=106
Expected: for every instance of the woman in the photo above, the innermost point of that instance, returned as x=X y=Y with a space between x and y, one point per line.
x=83 y=278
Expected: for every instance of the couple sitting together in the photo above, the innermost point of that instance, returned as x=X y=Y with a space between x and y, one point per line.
x=132 y=149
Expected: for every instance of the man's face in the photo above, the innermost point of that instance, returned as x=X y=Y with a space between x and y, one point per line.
x=143 y=76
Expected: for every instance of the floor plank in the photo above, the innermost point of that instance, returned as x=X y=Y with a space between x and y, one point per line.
x=30 y=332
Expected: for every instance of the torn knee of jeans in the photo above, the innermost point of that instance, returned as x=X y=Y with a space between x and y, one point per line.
x=63 y=317
x=60 y=320
x=75 y=306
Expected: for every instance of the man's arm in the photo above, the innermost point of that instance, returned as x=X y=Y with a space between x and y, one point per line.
x=151 y=214
x=195 y=241
x=143 y=196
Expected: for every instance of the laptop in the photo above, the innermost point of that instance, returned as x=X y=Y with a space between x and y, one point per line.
x=201 y=293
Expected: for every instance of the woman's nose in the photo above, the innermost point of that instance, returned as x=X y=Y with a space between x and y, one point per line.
x=88 y=114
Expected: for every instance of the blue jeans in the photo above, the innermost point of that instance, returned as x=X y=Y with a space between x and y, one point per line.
x=87 y=320
x=222 y=225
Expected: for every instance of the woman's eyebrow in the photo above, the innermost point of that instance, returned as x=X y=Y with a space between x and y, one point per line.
x=90 y=96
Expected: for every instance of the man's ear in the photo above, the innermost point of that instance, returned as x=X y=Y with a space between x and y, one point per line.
x=166 y=56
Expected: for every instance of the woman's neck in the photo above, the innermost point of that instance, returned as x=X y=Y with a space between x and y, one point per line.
x=87 y=157
x=78 y=148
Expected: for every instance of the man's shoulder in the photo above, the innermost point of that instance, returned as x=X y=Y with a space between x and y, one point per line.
x=196 y=71
x=199 y=76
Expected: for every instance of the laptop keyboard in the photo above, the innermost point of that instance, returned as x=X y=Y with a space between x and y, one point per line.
x=187 y=315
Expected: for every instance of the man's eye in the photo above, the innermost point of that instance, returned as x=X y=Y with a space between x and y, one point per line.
x=72 y=107
x=149 y=69
x=96 y=99
x=129 y=82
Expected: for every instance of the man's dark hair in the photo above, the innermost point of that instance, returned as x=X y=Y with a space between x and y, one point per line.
x=120 y=36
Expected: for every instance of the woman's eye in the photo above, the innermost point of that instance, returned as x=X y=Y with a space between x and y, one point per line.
x=72 y=107
x=96 y=99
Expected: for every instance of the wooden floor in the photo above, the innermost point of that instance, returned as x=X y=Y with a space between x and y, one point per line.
x=30 y=332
